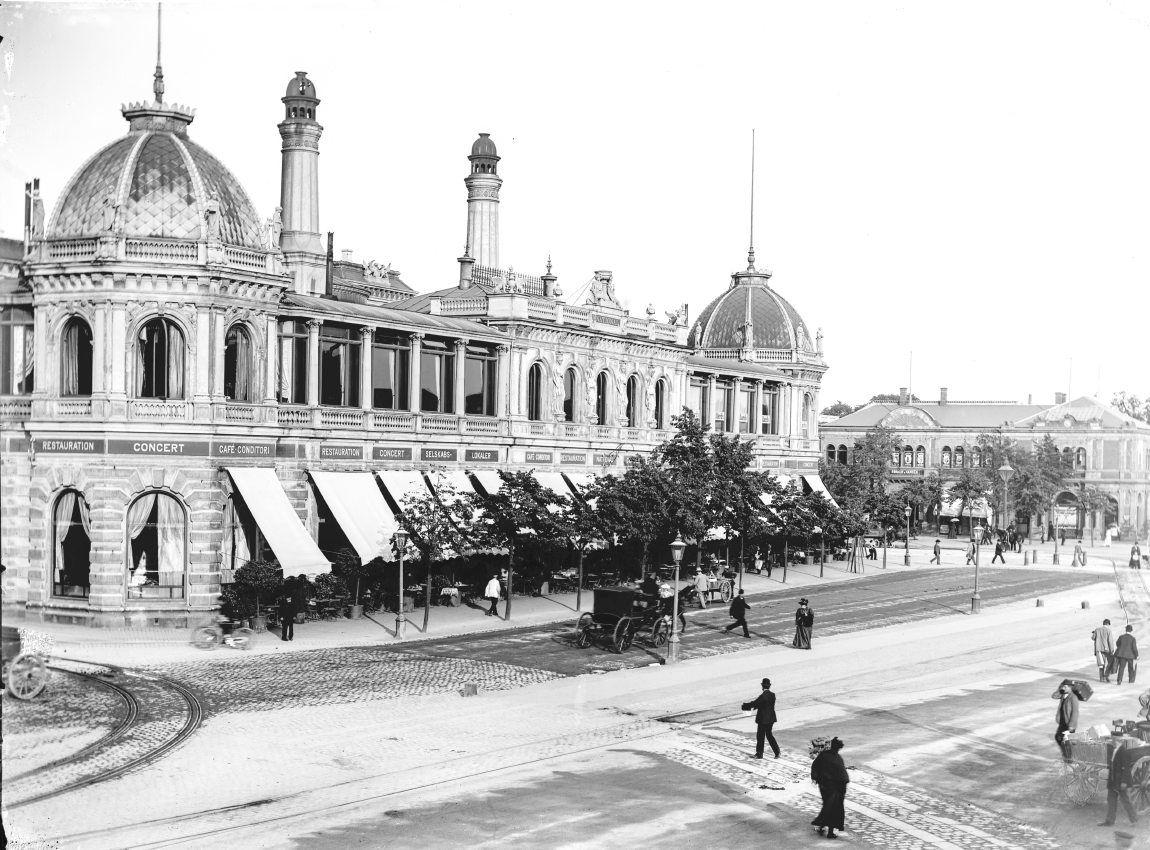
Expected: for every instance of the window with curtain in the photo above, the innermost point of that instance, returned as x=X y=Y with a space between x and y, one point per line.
x=239 y=365
x=160 y=355
x=724 y=399
x=72 y=546
x=768 y=423
x=895 y=457
x=946 y=457
x=920 y=456
x=291 y=366
x=633 y=402
x=960 y=457
x=76 y=358
x=569 y=396
x=661 y=403
x=17 y=351
x=339 y=352
x=479 y=381
x=1080 y=459
x=242 y=541
x=843 y=455
x=830 y=454
x=156 y=550
x=746 y=405
x=436 y=377
x=390 y=359
x=696 y=398
x=535 y=392
x=601 y=386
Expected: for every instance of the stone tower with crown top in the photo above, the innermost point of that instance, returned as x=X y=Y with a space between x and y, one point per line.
x=301 y=239
x=483 y=202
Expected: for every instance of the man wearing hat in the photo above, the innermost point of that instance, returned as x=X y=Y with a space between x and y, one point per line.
x=764 y=708
x=804 y=622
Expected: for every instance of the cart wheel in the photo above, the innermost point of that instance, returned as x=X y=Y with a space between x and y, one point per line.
x=27 y=676
x=726 y=590
x=583 y=631
x=661 y=631
x=622 y=636
x=243 y=638
x=1140 y=785
x=1081 y=783
x=205 y=637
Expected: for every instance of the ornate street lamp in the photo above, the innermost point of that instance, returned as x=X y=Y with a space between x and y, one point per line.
x=400 y=620
x=1006 y=471
x=906 y=547
x=677 y=549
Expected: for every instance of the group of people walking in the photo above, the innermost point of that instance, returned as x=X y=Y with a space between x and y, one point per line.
x=1115 y=655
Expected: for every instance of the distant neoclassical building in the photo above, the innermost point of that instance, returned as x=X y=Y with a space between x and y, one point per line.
x=1100 y=446
x=186 y=384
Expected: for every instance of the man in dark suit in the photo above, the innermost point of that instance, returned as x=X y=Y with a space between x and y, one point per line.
x=1126 y=651
x=1066 y=717
x=764 y=708
x=1119 y=780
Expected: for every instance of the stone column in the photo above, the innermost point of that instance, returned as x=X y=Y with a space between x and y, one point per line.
x=502 y=376
x=457 y=374
x=709 y=402
x=271 y=360
x=121 y=357
x=201 y=362
x=216 y=353
x=413 y=372
x=757 y=411
x=736 y=401
x=313 y=362
x=366 y=336
x=784 y=412
x=101 y=368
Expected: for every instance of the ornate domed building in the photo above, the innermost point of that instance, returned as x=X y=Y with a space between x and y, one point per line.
x=186 y=385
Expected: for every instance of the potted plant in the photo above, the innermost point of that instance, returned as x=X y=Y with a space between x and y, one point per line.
x=350 y=569
x=258 y=582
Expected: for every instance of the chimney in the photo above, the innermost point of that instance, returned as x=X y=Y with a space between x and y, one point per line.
x=903 y=397
x=327 y=288
x=465 y=264
x=1060 y=398
x=1030 y=398
x=941 y=396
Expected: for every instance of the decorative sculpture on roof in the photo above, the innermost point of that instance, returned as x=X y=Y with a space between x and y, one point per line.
x=748 y=332
x=801 y=341
x=602 y=291
x=377 y=271
x=275 y=228
x=111 y=213
x=819 y=341
x=650 y=312
x=677 y=317
x=212 y=217
x=37 y=212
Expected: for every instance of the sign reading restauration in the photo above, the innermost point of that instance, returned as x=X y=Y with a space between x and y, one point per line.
x=391 y=453
x=69 y=446
x=571 y=457
x=341 y=452
x=439 y=455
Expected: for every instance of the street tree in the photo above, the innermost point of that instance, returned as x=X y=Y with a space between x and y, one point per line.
x=436 y=523
x=970 y=486
x=840 y=408
x=924 y=495
x=1093 y=500
x=688 y=464
x=633 y=506
x=584 y=527
x=1132 y=405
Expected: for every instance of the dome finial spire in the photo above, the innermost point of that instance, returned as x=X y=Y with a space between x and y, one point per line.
x=158 y=82
x=751 y=250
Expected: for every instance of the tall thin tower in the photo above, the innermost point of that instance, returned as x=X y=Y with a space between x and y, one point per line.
x=301 y=239
x=483 y=202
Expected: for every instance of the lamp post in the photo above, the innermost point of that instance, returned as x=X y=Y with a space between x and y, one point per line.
x=976 y=598
x=1005 y=471
x=677 y=550
x=400 y=619
x=822 y=549
x=906 y=545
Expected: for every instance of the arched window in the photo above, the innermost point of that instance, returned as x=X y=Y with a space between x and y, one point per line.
x=156 y=551
x=72 y=539
x=907 y=456
x=1080 y=459
x=535 y=392
x=601 y=398
x=960 y=457
x=661 y=403
x=160 y=360
x=633 y=401
x=806 y=423
x=569 y=396
x=920 y=457
x=1067 y=458
x=895 y=457
x=76 y=358
x=946 y=457
x=976 y=456
x=239 y=379
x=830 y=454
x=843 y=455
x=17 y=351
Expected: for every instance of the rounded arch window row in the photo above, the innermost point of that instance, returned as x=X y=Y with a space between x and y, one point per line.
x=568 y=407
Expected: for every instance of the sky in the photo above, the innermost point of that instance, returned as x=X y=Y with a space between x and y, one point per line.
x=961 y=186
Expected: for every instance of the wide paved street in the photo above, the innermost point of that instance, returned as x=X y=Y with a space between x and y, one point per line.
x=946 y=716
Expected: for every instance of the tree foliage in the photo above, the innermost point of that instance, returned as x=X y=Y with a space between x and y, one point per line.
x=1132 y=405
x=840 y=408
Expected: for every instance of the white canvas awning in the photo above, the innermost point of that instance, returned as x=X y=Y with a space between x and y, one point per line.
x=554 y=482
x=280 y=525
x=579 y=480
x=360 y=510
x=816 y=484
x=977 y=508
x=402 y=483
x=489 y=479
x=454 y=480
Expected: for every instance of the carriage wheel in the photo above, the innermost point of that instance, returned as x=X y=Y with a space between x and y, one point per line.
x=661 y=631
x=205 y=637
x=583 y=631
x=27 y=676
x=726 y=590
x=243 y=638
x=1081 y=783
x=1140 y=785
x=623 y=636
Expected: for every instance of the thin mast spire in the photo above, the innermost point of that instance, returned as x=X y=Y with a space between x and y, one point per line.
x=751 y=250
x=158 y=83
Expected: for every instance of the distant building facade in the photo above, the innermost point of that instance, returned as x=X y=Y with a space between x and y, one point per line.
x=1101 y=447
x=177 y=373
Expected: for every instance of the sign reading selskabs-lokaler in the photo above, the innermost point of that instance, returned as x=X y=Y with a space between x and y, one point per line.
x=158 y=446
x=431 y=454
x=68 y=446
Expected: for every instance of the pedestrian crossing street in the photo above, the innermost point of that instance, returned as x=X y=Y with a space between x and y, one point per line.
x=881 y=811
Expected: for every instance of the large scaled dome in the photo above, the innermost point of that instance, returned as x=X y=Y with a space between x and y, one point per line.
x=161 y=181
x=773 y=322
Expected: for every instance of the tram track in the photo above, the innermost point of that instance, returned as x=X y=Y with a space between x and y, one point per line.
x=131 y=723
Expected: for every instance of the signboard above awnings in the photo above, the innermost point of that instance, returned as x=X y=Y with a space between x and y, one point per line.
x=359 y=508
x=281 y=527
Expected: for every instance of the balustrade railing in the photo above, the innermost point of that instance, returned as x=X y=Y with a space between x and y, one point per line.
x=338 y=418
x=158 y=410
x=481 y=426
x=294 y=417
x=463 y=306
x=72 y=249
x=437 y=423
x=240 y=413
x=392 y=421
x=15 y=408
x=69 y=408
x=162 y=250
x=243 y=258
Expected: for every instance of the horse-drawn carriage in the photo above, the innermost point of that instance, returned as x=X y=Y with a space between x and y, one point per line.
x=621 y=613
x=25 y=673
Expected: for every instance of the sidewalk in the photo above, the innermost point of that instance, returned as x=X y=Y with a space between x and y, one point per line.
x=131 y=647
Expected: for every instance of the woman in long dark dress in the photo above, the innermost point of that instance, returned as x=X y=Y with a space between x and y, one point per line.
x=804 y=621
x=829 y=772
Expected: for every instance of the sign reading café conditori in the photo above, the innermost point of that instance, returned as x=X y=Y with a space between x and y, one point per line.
x=544 y=457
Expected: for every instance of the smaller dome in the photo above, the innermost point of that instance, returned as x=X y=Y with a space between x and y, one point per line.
x=301 y=86
x=750 y=304
x=484 y=146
